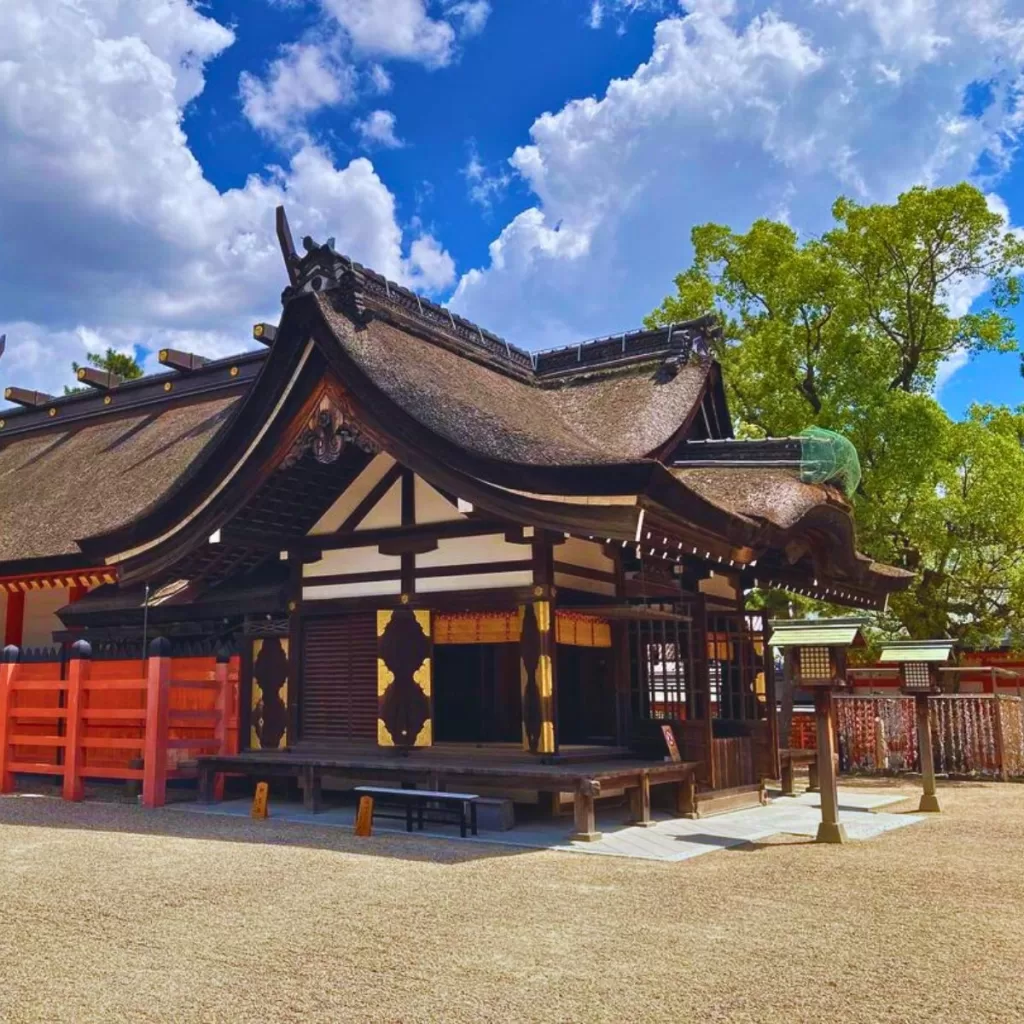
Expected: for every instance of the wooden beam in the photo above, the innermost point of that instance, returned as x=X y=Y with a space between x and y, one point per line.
x=101 y=380
x=184 y=362
x=27 y=399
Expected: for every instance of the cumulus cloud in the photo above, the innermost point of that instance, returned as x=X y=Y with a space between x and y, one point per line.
x=343 y=58
x=112 y=233
x=396 y=29
x=378 y=129
x=741 y=110
x=304 y=78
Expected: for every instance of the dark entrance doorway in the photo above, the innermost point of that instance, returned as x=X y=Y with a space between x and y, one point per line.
x=586 y=696
x=476 y=694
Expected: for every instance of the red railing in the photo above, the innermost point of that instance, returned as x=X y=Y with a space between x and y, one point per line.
x=121 y=720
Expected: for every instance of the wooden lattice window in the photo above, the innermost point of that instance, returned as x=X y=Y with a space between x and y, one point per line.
x=815 y=663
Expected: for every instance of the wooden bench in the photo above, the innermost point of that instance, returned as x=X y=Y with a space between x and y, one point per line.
x=422 y=803
x=789 y=759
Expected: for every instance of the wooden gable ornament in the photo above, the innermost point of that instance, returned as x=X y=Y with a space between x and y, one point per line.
x=819 y=648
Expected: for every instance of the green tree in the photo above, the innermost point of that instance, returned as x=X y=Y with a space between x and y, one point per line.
x=848 y=331
x=125 y=366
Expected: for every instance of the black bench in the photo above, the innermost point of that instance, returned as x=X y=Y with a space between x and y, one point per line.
x=426 y=805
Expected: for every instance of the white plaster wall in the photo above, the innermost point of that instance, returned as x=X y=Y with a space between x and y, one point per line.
x=335 y=590
x=432 y=506
x=584 y=552
x=480 y=581
x=347 y=560
x=41 y=618
x=473 y=551
x=346 y=503
x=563 y=579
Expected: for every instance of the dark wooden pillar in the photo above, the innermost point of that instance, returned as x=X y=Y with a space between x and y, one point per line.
x=404 y=684
x=14 y=620
x=830 y=830
x=537 y=675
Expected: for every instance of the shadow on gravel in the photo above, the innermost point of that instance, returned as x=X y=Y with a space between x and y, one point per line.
x=34 y=810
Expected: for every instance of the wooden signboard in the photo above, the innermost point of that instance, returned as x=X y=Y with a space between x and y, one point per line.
x=259 y=801
x=364 y=817
x=670 y=742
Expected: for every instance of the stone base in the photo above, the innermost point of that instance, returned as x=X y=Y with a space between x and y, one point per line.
x=641 y=824
x=929 y=803
x=829 y=833
x=586 y=837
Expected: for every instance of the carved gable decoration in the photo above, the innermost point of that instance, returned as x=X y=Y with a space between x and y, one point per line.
x=328 y=431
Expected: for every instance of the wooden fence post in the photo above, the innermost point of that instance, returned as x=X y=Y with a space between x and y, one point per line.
x=8 y=668
x=158 y=688
x=929 y=797
x=79 y=672
x=1000 y=739
x=220 y=730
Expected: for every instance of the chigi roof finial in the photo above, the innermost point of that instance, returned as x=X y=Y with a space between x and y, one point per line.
x=284 y=239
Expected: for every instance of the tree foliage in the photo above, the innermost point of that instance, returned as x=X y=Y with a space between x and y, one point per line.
x=111 y=361
x=848 y=331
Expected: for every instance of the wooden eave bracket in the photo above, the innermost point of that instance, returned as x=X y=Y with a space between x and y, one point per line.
x=183 y=362
x=27 y=399
x=101 y=380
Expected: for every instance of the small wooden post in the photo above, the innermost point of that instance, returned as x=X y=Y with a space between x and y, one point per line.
x=813 y=782
x=158 y=688
x=364 y=817
x=830 y=830
x=686 y=797
x=260 y=799
x=220 y=729
x=79 y=672
x=640 y=803
x=929 y=800
x=788 y=776
x=8 y=670
x=583 y=808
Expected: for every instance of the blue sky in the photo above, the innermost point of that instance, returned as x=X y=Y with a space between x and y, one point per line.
x=537 y=163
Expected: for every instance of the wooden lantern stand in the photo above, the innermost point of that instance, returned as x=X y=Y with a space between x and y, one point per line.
x=831 y=829
x=819 y=662
x=919 y=662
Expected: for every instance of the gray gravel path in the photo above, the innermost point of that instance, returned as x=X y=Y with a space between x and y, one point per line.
x=111 y=913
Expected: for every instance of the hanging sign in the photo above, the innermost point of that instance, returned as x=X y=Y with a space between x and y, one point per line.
x=259 y=801
x=670 y=742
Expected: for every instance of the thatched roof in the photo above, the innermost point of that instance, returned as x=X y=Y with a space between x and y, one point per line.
x=615 y=415
x=58 y=485
x=777 y=496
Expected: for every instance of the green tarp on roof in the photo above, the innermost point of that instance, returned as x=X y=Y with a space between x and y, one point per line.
x=917 y=650
x=815 y=632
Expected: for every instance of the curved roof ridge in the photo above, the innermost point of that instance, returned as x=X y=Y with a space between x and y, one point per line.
x=322 y=268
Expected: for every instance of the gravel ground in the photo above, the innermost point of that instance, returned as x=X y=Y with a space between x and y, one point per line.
x=111 y=913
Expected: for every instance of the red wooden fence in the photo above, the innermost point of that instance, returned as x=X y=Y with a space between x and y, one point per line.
x=121 y=720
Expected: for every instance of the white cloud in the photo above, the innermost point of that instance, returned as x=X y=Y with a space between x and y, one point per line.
x=742 y=109
x=484 y=188
x=378 y=129
x=396 y=29
x=596 y=14
x=380 y=80
x=472 y=14
x=304 y=79
x=112 y=233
